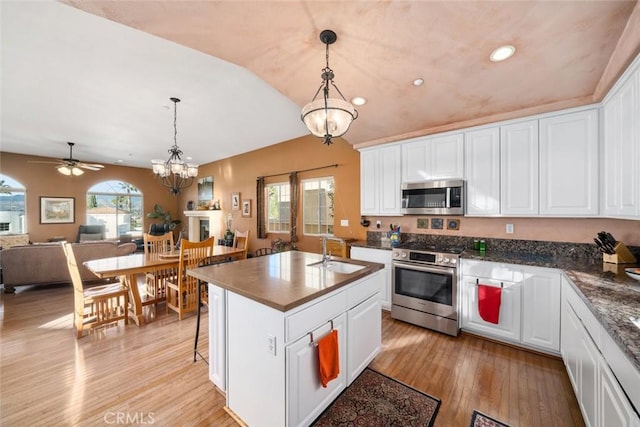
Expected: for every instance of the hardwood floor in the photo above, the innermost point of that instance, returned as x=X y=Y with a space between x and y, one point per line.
x=146 y=375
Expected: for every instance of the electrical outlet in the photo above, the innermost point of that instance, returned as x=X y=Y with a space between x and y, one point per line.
x=378 y=223
x=271 y=340
x=344 y=222
x=509 y=228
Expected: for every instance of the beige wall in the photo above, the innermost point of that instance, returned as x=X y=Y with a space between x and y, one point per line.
x=43 y=180
x=239 y=173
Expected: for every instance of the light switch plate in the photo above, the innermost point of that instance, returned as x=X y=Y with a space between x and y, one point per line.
x=509 y=228
x=344 y=222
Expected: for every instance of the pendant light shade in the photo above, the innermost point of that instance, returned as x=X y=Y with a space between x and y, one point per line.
x=328 y=117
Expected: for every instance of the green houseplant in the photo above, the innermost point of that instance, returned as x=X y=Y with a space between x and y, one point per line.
x=165 y=216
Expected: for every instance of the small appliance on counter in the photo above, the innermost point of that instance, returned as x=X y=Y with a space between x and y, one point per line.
x=613 y=251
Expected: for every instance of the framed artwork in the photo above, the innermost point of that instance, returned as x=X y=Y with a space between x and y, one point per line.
x=453 y=224
x=436 y=223
x=57 y=210
x=246 y=207
x=235 y=201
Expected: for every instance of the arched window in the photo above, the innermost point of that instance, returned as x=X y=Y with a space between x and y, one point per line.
x=12 y=206
x=117 y=205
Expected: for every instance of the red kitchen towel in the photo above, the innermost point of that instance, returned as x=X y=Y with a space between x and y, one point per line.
x=489 y=303
x=328 y=357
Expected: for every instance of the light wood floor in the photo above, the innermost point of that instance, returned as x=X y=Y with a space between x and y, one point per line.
x=146 y=375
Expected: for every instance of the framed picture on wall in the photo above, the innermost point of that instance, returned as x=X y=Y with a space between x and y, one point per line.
x=57 y=210
x=246 y=207
x=235 y=201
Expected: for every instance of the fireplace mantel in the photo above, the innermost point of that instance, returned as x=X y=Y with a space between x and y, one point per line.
x=215 y=223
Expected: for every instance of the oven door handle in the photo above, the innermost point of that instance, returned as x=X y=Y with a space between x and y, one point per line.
x=427 y=269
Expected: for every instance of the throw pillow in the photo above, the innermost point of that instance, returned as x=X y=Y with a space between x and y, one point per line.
x=90 y=237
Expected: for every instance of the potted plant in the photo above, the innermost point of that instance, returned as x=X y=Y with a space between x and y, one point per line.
x=165 y=216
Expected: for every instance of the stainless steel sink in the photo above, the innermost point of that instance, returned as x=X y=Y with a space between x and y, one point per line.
x=338 y=267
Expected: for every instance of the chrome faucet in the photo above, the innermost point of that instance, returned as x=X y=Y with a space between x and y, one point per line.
x=327 y=258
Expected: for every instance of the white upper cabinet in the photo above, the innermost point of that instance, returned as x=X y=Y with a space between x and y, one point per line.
x=380 y=180
x=482 y=171
x=438 y=157
x=519 y=169
x=621 y=150
x=569 y=164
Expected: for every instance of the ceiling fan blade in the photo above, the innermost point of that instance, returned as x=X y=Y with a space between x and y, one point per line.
x=90 y=166
x=49 y=162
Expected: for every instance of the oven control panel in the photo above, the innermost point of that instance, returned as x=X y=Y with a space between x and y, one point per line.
x=428 y=258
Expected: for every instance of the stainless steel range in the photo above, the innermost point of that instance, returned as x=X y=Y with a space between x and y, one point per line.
x=425 y=286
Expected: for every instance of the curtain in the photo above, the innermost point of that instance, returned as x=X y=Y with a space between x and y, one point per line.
x=293 y=188
x=260 y=208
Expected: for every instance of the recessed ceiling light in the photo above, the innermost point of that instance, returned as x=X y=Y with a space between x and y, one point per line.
x=502 y=53
x=418 y=82
x=358 y=100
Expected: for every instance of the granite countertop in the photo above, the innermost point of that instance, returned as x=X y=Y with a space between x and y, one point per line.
x=611 y=295
x=283 y=280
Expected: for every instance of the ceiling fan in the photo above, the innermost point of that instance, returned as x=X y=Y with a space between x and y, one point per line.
x=71 y=166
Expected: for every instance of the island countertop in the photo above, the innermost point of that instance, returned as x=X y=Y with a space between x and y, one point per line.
x=282 y=280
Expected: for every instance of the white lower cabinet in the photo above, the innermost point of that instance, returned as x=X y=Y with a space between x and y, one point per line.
x=306 y=396
x=508 y=326
x=272 y=362
x=364 y=336
x=529 y=306
x=217 y=336
x=601 y=398
x=382 y=256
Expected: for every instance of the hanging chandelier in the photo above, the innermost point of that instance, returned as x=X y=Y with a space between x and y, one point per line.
x=175 y=173
x=328 y=117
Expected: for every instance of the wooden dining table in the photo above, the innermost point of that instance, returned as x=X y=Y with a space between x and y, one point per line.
x=128 y=267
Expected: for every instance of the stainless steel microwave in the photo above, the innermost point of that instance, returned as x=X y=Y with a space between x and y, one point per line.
x=438 y=197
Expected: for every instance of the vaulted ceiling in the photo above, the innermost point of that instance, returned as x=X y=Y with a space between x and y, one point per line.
x=243 y=69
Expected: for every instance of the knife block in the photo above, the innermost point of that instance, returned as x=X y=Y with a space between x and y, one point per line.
x=622 y=255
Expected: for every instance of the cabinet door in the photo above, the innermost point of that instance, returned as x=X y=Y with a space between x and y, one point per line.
x=614 y=409
x=384 y=257
x=447 y=156
x=508 y=327
x=588 y=357
x=306 y=398
x=482 y=166
x=369 y=164
x=415 y=156
x=389 y=180
x=570 y=344
x=364 y=331
x=569 y=164
x=519 y=169
x=629 y=148
x=217 y=336
x=541 y=309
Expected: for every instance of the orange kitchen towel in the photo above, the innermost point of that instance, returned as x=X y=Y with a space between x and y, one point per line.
x=489 y=303
x=328 y=357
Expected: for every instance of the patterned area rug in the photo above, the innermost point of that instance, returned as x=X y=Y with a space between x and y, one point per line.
x=374 y=400
x=478 y=419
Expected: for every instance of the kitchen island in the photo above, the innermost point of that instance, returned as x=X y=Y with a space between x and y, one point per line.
x=266 y=315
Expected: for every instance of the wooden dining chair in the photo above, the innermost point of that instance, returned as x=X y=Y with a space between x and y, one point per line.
x=182 y=291
x=95 y=306
x=241 y=241
x=154 y=282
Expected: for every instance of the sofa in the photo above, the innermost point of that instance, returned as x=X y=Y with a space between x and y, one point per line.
x=43 y=264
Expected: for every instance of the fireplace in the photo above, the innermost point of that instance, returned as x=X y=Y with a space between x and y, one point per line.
x=204 y=224
x=204 y=229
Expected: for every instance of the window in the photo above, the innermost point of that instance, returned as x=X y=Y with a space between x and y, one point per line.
x=279 y=207
x=117 y=205
x=317 y=205
x=12 y=206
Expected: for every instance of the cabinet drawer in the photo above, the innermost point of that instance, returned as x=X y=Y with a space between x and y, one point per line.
x=382 y=256
x=585 y=315
x=493 y=270
x=313 y=316
x=362 y=290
